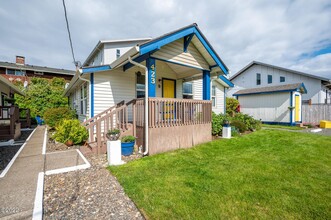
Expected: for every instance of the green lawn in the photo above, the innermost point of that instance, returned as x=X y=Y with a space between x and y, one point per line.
x=269 y=174
x=282 y=127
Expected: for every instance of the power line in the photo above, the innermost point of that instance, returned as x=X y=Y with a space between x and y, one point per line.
x=72 y=49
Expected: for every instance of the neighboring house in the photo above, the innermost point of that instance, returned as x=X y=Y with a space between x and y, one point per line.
x=273 y=104
x=10 y=124
x=186 y=81
x=257 y=74
x=20 y=71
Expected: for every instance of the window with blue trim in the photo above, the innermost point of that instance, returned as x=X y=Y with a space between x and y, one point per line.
x=258 y=79
x=187 y=90
x=269 y=79
x=282 y=79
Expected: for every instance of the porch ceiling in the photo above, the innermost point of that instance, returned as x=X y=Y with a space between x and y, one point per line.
x=183 y=71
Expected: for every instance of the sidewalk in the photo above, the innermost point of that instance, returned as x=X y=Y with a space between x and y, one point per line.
x=18 y=188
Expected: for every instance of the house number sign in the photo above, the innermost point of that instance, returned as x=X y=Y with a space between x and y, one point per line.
x=153 y=74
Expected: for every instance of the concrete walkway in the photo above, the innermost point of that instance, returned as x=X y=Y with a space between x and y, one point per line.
x=18 y=188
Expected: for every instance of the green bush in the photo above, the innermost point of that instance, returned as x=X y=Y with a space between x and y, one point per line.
x=217 y=123
x=231 y=106
x=251 y=123
x=69 y=129
x=53 y=116
x=239 y=125
x=128 y=139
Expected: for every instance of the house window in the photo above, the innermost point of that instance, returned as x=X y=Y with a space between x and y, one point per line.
x=213 y=95
x=83 y=99
x=258 y=79
x=269 y=79
x=140 y=85
x=282 y=79
x=187 y=90
x=118 y=53
x=15 y=72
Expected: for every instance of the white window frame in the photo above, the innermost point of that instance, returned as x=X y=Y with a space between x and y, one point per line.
x=188 y=95
x=213 y=96
x=83 y=99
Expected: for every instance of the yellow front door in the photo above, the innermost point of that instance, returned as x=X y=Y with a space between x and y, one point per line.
x=297 y=108
x=168 y=92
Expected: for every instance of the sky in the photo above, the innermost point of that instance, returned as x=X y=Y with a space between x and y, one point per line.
x=294 y=34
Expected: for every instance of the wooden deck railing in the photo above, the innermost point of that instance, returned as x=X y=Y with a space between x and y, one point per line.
x=25 y=117
x=10 y=113
x=167 y=112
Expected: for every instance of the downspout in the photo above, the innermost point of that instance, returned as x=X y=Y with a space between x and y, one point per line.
x=80 y=71
x=146 y=102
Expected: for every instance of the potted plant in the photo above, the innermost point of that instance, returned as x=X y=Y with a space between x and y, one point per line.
x=113 y=134
x=127 y=143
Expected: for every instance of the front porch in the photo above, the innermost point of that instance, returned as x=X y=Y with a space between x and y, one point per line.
x=172 y=124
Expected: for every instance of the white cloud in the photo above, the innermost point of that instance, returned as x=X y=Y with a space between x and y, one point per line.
x=275 y=32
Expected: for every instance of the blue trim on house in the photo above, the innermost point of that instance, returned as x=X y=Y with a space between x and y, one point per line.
x=291 y=107
x=206 y=85
x=228 y=82
x=304 y=87
x=92 y=94
x=181 y=64
x=139 y=59
x=159 y=42
x=150 y=63
x=278 y=123
x=94 y=69
x=187 y=41
x=256 y=93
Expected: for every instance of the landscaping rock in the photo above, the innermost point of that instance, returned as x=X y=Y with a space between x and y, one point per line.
x=87 y=194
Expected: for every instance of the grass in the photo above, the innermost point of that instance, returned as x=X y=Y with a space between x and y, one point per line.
x=269 y=174
x=282 y=127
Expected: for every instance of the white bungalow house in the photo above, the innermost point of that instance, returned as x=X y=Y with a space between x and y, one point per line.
x=185 y=83
x=257 y=74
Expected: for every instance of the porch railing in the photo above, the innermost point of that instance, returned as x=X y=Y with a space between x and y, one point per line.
x=167 y=112
x=10 y=113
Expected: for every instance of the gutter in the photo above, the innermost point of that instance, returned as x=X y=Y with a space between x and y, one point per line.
x=146 y=101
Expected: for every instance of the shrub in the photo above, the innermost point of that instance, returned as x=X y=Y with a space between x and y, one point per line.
x=128 y=139
x=251 y=123
x=69 y=129
x=239 y=125
x=231 y=106
x=217 y=123
x=53 y=116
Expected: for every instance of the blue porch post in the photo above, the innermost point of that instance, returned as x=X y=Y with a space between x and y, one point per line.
x=150 y=62
x=206 y=85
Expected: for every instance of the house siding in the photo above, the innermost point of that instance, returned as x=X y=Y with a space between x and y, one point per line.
x=247 y=80
x=267 y=107
x=174 y=53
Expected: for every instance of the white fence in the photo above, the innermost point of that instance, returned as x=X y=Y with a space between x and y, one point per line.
x=312 y=114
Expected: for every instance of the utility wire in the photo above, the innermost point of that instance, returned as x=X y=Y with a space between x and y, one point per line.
x=72 y=49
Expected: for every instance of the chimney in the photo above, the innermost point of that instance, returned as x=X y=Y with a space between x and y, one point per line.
x=20 y=60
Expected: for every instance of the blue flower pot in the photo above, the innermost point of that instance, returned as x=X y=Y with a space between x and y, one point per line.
x=127 y=148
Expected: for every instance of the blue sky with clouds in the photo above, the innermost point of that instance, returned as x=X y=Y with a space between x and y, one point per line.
x=289 y=33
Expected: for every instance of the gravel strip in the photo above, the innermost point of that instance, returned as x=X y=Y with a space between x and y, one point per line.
x=87 y=194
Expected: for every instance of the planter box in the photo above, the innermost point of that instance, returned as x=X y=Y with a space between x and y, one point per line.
x=127 y=148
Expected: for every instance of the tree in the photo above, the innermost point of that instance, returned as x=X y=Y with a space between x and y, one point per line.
x=231 y=106
x=42 y=94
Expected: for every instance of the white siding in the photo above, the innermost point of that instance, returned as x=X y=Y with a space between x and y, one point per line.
x=174 y=53
x=197 y=94
x=267 y=107
x=247 y=80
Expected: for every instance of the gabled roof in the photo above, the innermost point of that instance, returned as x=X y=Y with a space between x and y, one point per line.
x=102 y=42
x=36 y=68
x=276 y=67
x=299 y=87
x=9 y=84
x=140 y=51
